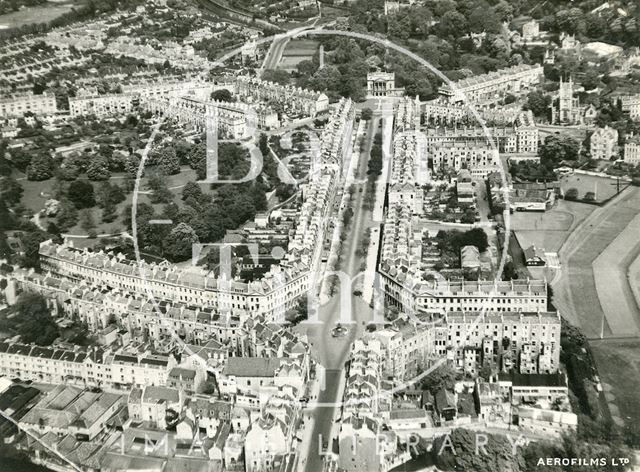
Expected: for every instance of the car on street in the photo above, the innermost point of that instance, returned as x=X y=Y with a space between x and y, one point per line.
x=339 y=331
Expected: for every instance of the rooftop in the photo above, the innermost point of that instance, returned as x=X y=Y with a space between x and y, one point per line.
x=252 y=366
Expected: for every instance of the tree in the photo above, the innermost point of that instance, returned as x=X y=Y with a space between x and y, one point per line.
x=108 y=193
x=326 y=79
x=538 y=103
x=5 y=252
x=278 y=76
x=442 y=377
x=418 y=86
x=193 y=193
x=67 y=215
x=571 y=194
x=20 y=159
x=306 y=68
x=590 y=80
x=453 y=24
x=209 y=387
x=160 y=192
x=510 y=98
x=366 y=114
x=7 y=218
x=482 y=18
x=70 y=169
x=109 y=212
x=55 y=232
x=222 y=95
x=40 y=168
x=475 y=237
x=179 y=242
x=485 y=372
x=98 y=168
x=31 y=318
x=182 y=149
x=5 y=165
x=503 y=11
x=558 y=148
x=80 y=193
x=169 y=161
x=458 y=451
x=10 y=190
x=87 y=222
x=263 y=144
x=132 y=165
x=375 y=161
x=589 y=197
x=399 y=26
x=31 y=246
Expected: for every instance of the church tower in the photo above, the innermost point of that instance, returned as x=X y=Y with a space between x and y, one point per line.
x=566 y=100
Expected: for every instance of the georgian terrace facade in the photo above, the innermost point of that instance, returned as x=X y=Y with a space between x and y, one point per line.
x=231 y=118
x=494 y=86
x=93 y=367
x=97 y=308
x=528 y=342
x=296 y=99
x=413 y=294
x=270 y=296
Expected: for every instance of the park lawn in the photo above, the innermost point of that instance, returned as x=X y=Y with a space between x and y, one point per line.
x=301 y=47
x=603 y=187
x=36 y=193
x=296 y=51
x=34 y=200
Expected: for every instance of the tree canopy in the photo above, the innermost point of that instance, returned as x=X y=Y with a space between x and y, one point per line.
x=31 y=318
x=222 y=95
x=80 y=193
x=457 y=451
x=557 y=148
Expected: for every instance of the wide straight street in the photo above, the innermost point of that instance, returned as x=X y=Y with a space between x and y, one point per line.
x=332 y=352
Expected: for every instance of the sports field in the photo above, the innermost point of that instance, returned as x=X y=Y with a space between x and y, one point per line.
x=586 y=298
x=610 y=270
x=599 y=277
x=603 y=187
x=297 y=50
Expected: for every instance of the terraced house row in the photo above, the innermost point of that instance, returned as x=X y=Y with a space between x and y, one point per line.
x=526 y=342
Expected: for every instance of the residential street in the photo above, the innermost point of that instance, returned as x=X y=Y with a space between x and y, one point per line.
x=333 y=352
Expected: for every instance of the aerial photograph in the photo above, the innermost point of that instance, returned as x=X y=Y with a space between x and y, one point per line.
x=319 y=235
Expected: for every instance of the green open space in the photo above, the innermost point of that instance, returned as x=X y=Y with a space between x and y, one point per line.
x=36 y=193
x=603 y=187
x=39 y=14
x=619 y=369
x=296 y=51
x=576 y=291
